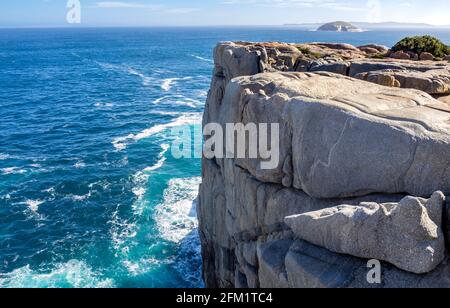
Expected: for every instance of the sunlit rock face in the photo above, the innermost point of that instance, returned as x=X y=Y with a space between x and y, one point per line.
x=363 y=168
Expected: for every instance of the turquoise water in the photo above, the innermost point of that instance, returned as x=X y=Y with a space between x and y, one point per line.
x=90 y=195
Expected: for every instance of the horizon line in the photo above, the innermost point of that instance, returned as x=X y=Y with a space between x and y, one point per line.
x=71 y=26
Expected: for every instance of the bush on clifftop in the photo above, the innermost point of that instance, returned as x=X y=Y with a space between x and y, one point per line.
x=419 y=44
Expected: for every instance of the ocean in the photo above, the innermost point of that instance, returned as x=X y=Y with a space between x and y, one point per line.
x=90 y=194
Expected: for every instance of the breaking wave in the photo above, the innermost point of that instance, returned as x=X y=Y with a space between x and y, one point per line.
x=167 y=83
x=175 y=216
x=121 y=143
x=73 y=274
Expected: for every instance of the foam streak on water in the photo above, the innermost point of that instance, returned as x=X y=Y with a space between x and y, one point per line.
x=121 y=143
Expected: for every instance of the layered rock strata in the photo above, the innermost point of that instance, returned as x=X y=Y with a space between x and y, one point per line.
x=407 y=234
x=433 y=81
x=359 y=168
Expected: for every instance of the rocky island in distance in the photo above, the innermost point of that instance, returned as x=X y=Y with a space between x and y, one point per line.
x=339 y=26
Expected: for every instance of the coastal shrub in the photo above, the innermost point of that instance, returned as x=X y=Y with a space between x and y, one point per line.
x=419 y=44
x=307 y=51
x=378 y=56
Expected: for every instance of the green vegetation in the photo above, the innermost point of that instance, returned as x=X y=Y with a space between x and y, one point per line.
x=307 y=52
x=378 y=56
x=419 y=44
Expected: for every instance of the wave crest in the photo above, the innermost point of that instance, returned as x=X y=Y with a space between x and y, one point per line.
x=121 y=143
x=73 y=274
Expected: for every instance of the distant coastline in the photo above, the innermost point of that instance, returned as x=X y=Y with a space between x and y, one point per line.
x=375 y=26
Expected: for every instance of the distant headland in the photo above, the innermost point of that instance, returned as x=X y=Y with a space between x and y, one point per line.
x=371 y=26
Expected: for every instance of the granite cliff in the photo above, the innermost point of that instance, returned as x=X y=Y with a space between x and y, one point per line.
x=364 y=169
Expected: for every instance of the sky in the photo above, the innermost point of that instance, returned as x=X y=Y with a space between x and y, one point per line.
x=35 y=13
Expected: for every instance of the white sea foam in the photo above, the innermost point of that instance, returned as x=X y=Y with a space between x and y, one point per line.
x=176 y=221
x=75 y=54
x=122 y=231
x=4 y=156
x=201 y=93
x=33 y=205
x=76 y=274
x=141 y=266
x=162 y=159
x=109 y=66
x=189 y=102
x=121 y=143
x=13 y=170
x=167 y=113
x=80 y=164
x=146 y=80
x=161 y=99
x=139 y=191
x=79 y=198
x=6 y=197
x=140 y=181
x=178 y=100
x=183 y=120
x=172 y=216
x=203 y=59
x=167 y=83
x=103 y=105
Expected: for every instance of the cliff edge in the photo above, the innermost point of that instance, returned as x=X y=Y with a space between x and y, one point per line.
x=363 y=174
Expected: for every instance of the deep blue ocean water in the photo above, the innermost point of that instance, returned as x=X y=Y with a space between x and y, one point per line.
x=90 y=195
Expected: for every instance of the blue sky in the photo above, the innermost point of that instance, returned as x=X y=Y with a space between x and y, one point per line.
x=221 y=12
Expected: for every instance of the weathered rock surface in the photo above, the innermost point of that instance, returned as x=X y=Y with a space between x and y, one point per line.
x=310 y=266
x=426 y=56
x=370 y=65
x=349 y=117
x=340 y=137
x=445 y=99
x=332 y=67
x=378 y=48
x=400 y=55
x=406 y=234
x=413 y=55
x=336 y=46
x=271 y=258
x=432 y=82
x=242 y=58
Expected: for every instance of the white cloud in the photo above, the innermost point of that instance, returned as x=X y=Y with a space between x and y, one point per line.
x=135 y=5
x=324 y=4
x=124 y=5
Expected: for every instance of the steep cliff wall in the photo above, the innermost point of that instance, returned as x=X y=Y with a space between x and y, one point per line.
x=358 y=162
